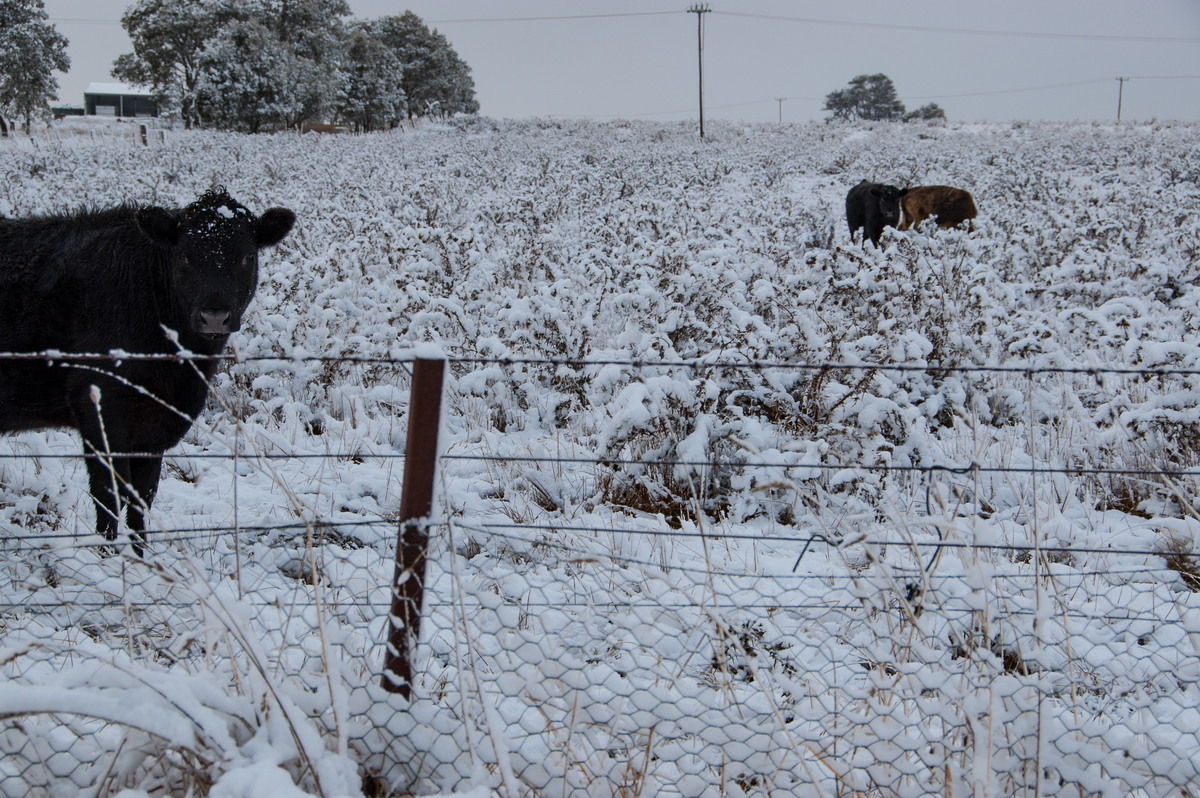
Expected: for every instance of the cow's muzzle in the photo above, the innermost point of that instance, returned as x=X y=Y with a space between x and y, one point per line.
x=215 y=322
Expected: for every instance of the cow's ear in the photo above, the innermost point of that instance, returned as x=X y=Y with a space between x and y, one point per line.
x=273 y=225
x=159 y=225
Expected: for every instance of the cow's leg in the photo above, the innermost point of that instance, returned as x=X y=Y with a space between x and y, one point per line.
x=123 y=484
x=106 y=478
x=110 y=476
x=143 y=485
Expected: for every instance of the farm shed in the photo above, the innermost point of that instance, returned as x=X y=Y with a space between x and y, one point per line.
x=118 y=99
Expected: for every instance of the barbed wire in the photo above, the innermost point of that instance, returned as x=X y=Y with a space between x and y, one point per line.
x=169 y=535
x=578 y=556
x=717 y=360
x=448 y=605
x=175 y=456
x=833 y=541
x=509 y=532
x=958 y=470
x=505 y=531
x=964 y=469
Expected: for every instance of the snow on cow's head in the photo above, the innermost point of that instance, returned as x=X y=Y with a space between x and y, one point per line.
x=213 y=256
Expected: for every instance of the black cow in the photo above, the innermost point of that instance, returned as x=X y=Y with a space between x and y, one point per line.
x=129 y=280
x=872 y=207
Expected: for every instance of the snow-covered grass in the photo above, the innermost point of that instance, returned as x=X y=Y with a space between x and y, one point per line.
x=728 y=506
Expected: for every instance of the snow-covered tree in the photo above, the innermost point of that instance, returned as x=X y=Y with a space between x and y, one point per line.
x=243 y=64
x=866 y=97
x=31 y=50
x=929 y=111
x=169 y=37
x=313 y=33
x=372 y=92
x=313 y=29
x=251 y=81
x=436 y=80
x=265 y=64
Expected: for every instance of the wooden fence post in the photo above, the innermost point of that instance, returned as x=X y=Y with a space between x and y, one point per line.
x=416 y=505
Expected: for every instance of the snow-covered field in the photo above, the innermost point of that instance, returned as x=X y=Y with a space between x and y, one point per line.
x=729 y=505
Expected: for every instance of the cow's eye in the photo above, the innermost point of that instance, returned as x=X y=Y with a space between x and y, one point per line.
x=248 y=261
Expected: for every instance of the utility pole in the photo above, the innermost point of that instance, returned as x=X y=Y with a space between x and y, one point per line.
x=780 y=101
x=1120 y=95
x=700 y=9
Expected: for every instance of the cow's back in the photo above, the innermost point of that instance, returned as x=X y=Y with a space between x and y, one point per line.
x=952 y=206
x=70 y=285
x=74 y=283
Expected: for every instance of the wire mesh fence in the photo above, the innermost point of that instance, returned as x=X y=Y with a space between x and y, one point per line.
x=695 y=620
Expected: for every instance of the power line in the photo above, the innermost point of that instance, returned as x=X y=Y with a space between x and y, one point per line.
x=551 y=18
x=774 y=18
x=1071 y=84
x=691 y=110
x=957 y=95
x=789 y=98
x=1052 y=86
x=61 y=20
x=547 y=18
x=967 y=31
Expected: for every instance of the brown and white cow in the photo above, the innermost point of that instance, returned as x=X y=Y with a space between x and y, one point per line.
x=952 y=206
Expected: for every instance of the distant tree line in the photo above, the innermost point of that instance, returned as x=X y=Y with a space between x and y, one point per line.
x=251 y=65
x=257 y=65
x=873 y=97
x=261 y=65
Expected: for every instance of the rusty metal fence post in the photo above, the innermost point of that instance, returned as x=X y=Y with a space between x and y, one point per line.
x=416 y=505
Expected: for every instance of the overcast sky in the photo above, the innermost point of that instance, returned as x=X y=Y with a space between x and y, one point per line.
x=1020 y=59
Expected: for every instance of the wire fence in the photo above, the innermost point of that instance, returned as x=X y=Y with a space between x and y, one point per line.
x=854 y=627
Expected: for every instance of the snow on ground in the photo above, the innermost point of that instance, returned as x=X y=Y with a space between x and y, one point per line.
x=675 y=556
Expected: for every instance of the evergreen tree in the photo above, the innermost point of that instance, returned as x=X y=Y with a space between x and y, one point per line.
x=245 y=80
x=867 y=97
x=930 y=111
x=313 y=33
x=259 y=65
x=436 y=81
x=312 y=29
x=372 y=93
x=169 y=37
x=31 y=50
